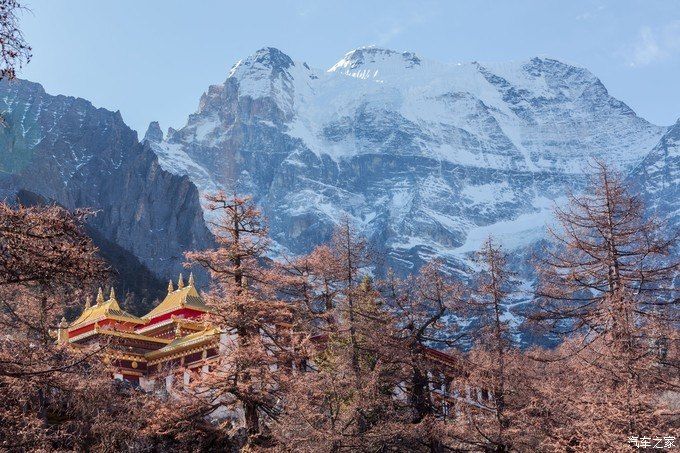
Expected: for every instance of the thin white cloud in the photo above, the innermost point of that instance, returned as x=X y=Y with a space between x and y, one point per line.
x=384 y=37
x=392 y=27
x=590 y=14
x=655 y=44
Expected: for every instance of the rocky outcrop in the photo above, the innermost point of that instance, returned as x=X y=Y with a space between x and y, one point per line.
x=66 y=150
x=139 y=287
x=657 y=178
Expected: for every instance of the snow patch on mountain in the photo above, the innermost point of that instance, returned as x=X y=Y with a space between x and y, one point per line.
x=429 y=158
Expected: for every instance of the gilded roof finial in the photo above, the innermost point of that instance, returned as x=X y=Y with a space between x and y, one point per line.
x=170 y=287
x=100 y=296
x=180 y=282
x=88 y=302
x=112 y=296
x=62 y=333
x=191 y=279
x=178 y=331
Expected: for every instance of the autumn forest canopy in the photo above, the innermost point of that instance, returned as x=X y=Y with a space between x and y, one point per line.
x=326 y=357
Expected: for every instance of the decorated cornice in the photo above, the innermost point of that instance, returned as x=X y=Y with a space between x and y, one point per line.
x=183 y=346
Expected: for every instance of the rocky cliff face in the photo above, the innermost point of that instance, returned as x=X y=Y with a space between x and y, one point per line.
x=428 y=158
x=657 y=178
x=66 y=150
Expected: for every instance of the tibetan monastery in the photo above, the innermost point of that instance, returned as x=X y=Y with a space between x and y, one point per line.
x=143 y=350
x=174 y=338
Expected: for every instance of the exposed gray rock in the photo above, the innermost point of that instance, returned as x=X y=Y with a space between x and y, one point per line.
x=153 y=133
x=66 y=150
x=657 y=178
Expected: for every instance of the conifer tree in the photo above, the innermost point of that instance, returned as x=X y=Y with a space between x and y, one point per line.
x=419 y=305
x=250 y=374
x=493 y=366
x=14 y=51
x=607 y=284
x=345 y=401
x=54 y=397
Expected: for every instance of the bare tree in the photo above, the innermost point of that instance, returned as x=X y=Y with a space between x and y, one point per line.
x=250 y=373
x=14 y=51
x=493 y=365
x=52 y=396
x=419 y=305
x=607 y=282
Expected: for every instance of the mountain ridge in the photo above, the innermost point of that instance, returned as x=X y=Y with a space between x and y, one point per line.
x=426 y=157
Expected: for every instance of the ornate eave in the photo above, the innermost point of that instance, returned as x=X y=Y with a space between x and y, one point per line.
x=120 y=334
x=180 y=345
x=132 y=336
x=181 y=354
x=188 y=324
x=120 y=355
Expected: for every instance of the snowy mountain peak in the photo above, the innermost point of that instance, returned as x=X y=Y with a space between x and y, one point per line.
x=427 y=157
x=540 y=76
x=370 y=56
x=271 y=57
x=373 y=62
x=266 y=73
x=268 y=60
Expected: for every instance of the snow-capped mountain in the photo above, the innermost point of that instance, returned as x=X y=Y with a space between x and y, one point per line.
x=428 y=158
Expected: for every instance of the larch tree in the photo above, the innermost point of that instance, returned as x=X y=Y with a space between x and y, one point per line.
x=493 y=365
x=607 y=284
x=52 y=396
x=14 y=51
x=44 y=254
x=420 y=304
x=350 y=256
x=314 y=283
x=346 y=398
x=252 y=370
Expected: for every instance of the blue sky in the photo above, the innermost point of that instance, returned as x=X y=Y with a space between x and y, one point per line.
x=153 y=59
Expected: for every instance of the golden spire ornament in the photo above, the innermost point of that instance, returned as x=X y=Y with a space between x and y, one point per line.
x=180 y=283
x=88 y=302
x=191 y=279
x=100 y=296
x=170 y=287
x=112 y=296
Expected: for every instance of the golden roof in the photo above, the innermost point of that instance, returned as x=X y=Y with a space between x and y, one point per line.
x=183 y=297
x=104 y=310
x=178 y=344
